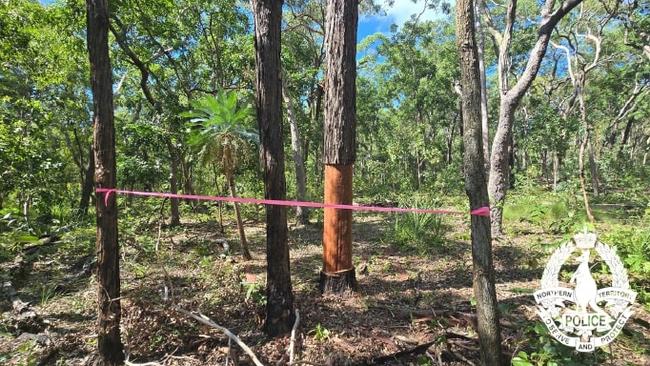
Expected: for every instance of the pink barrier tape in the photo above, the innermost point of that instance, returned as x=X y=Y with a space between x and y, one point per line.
x=481 y=211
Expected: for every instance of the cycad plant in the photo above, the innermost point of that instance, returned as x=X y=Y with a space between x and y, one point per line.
x=217 y=127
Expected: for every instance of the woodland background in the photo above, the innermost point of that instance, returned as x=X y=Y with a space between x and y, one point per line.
x=579 y=158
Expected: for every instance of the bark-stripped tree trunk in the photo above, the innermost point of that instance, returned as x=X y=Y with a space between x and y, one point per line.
x=510 y=97
x=279 y=297
x=475 y=186
x=89 y=183
x=108 y=270
x=296 y=148
x=339 y=150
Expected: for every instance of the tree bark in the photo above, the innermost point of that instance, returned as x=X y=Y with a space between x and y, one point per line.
x=267 y=15
x=339 y=151
x=88 y=183
x=302 y=213
x=240 y=224
x=108 y=271
x=485 y=131
x=173 y=183
x=476 y=189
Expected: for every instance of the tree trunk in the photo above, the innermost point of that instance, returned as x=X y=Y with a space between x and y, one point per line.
x=339 y=150
x=593 y=167
x=556 y=169
x=296 y=148
x=279 y=296
x=475 y=186
x=500 y=165
x=510 y=98
x=485 y=131
x=173 y=183
x=583 y=180
x=88 y=183
x=108 y=271
x=240 y=224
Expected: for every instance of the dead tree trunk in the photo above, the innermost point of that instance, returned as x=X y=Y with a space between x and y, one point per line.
x=581 y=154
x=108 y=270
x=302 y=213
x=475 y=186
x=279 y=296
x=339 y=150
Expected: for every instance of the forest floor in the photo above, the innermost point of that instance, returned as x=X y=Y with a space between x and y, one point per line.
x=411 y=307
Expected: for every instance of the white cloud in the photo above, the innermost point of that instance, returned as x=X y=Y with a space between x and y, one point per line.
x=403 y=10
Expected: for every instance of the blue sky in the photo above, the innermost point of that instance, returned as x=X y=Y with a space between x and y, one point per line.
x=398 y=14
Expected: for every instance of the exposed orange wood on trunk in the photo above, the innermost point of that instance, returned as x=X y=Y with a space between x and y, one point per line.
x=337 y=223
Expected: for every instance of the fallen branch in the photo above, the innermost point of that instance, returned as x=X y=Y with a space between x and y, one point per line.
x=292 y=343
x=207 y=321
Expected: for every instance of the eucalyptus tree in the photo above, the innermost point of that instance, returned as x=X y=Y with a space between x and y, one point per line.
x=339 y=146
x=109 y=343
x=475 y=186
x=510 y=94
x=405 y=72
x=267 y=16
x=178 y=50
x=220 y=132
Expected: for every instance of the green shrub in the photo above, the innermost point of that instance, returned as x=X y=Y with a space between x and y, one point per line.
x=419 y=232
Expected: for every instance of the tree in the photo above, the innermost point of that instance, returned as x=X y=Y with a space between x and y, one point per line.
x=279 y=296
x=219 y=125
x=339 y=150
x=475 y=187
x=510 y=96
x=108 y=265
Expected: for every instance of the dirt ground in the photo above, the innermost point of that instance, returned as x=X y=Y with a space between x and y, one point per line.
x=411 y=308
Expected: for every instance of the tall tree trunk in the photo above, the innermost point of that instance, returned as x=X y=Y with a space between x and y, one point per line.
x=279 y=296
x=173 y=183
x=88 y=183
x=339 y=149
x=240 y=224
x=485 y=131
x=475 y=186
x=108 y=270
x=296 y=148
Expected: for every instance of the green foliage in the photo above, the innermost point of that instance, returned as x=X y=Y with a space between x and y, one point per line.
x=219 y=126
x=541 y=349
x=414 y=231
x=320 y=333
x=254 y=293
x=633 y=246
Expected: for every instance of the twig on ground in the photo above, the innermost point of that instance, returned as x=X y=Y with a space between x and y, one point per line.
x=292 y=343
x=207 y=321
x=461 y=357
x=129 y=363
